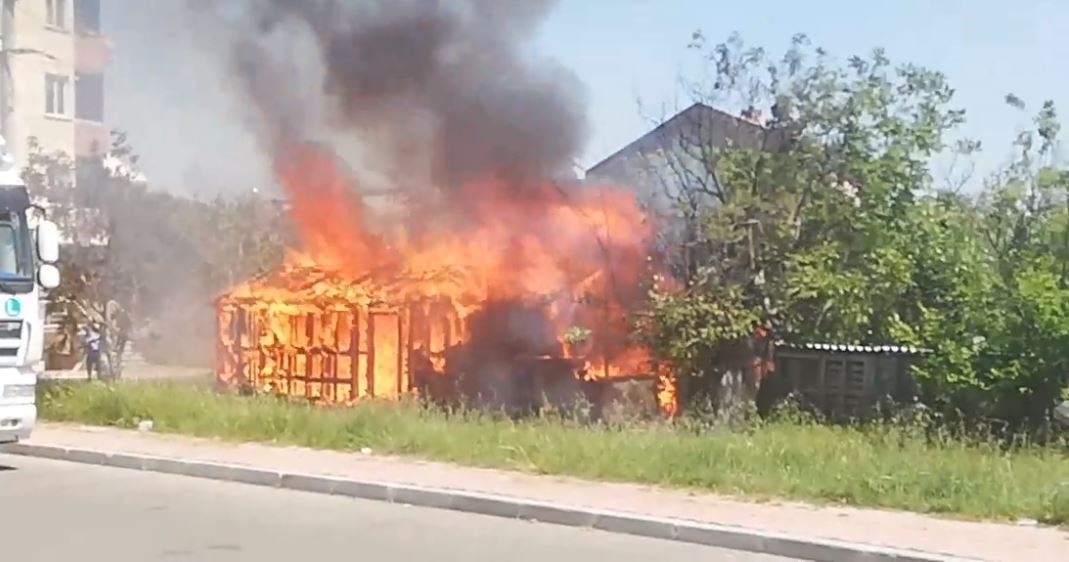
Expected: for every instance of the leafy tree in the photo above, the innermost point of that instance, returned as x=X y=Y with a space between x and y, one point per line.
x=92 y=289
x=992 y=290
x=829 y=226
x=805 y=233
x=147 y=263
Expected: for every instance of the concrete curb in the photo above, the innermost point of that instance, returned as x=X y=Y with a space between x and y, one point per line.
x=722 y=536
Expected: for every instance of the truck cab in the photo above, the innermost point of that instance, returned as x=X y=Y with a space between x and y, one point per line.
x=28 y=257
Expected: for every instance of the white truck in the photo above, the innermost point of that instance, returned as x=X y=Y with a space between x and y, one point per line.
x=28 y=257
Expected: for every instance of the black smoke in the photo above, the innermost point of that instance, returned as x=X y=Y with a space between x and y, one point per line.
x=449 y=85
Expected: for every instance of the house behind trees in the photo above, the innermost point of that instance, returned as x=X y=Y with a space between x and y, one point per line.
x=675 y=156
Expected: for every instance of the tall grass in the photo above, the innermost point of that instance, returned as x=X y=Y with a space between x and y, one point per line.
x=884 y=466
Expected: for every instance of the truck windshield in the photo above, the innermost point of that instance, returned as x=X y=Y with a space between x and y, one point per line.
x=16 y=268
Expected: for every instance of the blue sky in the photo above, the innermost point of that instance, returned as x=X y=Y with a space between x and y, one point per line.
x=624 y=51
x=627 y=50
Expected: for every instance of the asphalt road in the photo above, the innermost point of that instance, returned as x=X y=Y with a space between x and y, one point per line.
x=53 y=511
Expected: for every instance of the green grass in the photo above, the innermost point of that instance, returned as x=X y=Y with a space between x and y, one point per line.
x=882 y=466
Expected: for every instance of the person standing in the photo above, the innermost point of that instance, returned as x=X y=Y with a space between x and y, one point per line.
x=91 y=341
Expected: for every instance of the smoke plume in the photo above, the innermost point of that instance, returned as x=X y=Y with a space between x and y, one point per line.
x=439 y=90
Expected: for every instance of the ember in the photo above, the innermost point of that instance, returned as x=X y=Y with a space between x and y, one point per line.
x=530 y=296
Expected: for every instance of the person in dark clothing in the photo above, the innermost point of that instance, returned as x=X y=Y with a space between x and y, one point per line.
x=91 y=341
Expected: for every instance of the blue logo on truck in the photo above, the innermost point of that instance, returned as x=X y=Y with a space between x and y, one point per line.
x=12 y=307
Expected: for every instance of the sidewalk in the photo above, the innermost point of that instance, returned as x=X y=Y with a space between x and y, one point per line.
x=987 y=541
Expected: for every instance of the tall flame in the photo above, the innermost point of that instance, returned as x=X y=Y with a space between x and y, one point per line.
x=332 y=220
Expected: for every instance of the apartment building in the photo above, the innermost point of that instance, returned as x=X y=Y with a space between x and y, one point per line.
x=53 y=58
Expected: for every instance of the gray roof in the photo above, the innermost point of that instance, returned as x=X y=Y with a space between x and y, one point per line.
x=852 y=348
x=699 y=117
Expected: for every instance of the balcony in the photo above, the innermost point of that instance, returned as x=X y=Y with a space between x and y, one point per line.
x=91 y=138
x=92 y=52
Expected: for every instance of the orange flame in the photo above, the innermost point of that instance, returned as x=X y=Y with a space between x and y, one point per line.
x=577 y=254
x=331 y=218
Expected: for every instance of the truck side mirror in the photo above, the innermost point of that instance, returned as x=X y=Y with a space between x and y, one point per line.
x=48 y=242
x=48 y=276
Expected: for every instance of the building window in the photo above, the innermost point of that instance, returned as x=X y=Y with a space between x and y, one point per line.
x=56 y=95
x=57 y=13
x=87 y=16
x=89 y=96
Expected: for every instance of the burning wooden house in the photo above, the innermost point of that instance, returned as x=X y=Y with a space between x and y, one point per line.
x=303 y=332
x=480 y=310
